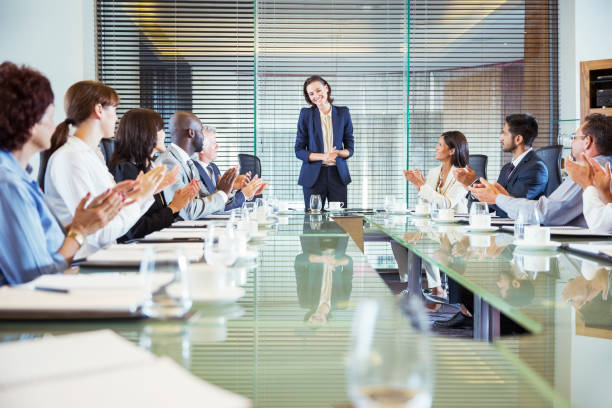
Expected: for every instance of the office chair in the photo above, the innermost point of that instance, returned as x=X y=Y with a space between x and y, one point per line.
x=551 y=155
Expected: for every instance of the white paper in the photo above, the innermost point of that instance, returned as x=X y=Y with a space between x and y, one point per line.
x=569 y=231
x=100 y=369
x=49 y=358
x=594 y=249
x=131 y=254
x=194 y=223
x=177 y=233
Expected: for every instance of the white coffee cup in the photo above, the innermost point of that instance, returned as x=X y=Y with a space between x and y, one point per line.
x=206 y=280
x=534 y=263
x=480 y=220
x=446 y=214
x=534 y=234
x=421 y=209
x=336 y=205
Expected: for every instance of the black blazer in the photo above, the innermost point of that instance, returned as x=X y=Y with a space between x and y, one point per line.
x=157 y=217
x=528 y=180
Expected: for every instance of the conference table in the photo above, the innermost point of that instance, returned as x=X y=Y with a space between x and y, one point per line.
x=264 y=347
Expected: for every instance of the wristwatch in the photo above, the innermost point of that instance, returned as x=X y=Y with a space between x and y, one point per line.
x=77 y=236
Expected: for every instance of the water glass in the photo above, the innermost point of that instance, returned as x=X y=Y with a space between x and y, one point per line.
x=526 y=216
x=220 y=247
x=479 y=215
x=389 y=203
x=315 y=203
x=165 y=283
x=390 y=363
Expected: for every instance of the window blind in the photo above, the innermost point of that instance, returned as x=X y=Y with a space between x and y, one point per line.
x=471 y=64
x=183 y=55
x=359 y=47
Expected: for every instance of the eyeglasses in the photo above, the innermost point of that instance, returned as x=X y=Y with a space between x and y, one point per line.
x=575 y=135
x=566 y=140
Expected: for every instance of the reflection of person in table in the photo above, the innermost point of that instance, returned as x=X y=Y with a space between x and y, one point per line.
x=589 y=293
x=324 y=276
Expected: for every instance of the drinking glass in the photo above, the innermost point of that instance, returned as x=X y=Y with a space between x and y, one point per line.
x=389 y=364
x=220 y=247
x=315 y=203
x=479 y=215
x=389 y=204
x=165 y=283
x=261 y=209
x=526 y=216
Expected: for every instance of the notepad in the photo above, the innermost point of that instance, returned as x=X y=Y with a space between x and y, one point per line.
x=132 y=254
x=104 y=295
x=100 y=369
x=191 y=224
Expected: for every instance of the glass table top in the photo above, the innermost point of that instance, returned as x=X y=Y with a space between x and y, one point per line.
x=561 y=298
x=275 y=347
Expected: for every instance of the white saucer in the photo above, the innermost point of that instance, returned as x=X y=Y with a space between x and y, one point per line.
x=480 y=229
x=226 y=295
x=522 y=244
x=444 y=221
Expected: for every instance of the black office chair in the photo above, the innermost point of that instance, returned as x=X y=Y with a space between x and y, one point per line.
x=107 y=147
x=478 y=163
x=251 y=163
x=551 y=155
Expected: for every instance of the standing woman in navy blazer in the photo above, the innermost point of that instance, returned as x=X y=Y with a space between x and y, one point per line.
x=324 y=142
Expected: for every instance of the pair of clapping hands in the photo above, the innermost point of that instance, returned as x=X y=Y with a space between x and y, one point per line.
x=415 y=177
x=88 y=218
x=591 y=174
x=250 y=187
x=485 y=192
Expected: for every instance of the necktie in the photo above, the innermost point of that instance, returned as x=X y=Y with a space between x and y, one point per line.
x=208 y=182
x=504 y=174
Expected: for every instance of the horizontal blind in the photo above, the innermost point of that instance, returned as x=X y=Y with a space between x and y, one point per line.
x=359 y=47
x=183 y=55
x=474 y=62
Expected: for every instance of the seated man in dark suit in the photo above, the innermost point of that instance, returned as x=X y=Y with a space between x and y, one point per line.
x=526 y=175
x=243 y=189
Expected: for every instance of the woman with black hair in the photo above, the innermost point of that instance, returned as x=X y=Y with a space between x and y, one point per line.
x=139 y=136
x=440 y=186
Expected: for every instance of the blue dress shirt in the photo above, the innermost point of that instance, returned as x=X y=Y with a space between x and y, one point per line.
x=29 y=233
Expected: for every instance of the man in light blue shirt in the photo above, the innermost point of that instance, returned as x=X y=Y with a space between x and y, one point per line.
x=564 y=205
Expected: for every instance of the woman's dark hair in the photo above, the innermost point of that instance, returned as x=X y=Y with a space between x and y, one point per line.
x=25 y=95
x=523 y=124
x=599 y=127
x=317 y=78
x=456 y=140
x=80 y=100
x=136 y=138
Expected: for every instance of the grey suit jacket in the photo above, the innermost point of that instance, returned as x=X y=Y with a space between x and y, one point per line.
x=562 y=207
x=202 y=205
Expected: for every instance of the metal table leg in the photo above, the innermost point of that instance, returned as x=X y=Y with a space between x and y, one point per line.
x=486 y=320
x=409 y=266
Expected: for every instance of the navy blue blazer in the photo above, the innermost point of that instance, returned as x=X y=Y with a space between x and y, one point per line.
x=528 y=180
x=310 y=140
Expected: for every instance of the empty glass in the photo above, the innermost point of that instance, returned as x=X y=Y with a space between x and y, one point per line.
x=479 y=215
x=165 y=283
x=389 y=364
x=315 y=203
x=389 y=204
x=526 y=216
x=220 y=247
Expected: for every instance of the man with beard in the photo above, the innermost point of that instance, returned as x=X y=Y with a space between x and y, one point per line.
x=526 y=176
x=564 y=205
x=187 y=139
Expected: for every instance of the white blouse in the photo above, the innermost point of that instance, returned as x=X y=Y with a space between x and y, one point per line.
x=75 y=170
x=597 y=214
x=452 y=193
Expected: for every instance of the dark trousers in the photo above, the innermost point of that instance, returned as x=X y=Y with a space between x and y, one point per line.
x=328 y=186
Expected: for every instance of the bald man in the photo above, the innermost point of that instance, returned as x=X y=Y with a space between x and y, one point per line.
x=187 y=139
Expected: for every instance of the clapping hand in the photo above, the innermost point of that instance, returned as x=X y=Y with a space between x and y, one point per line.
x=241 y=181
x=601 y=179
x=100 y=211
x=169 y=179
x=227 y=180
x=465 y=176
x=415 y=177
x=581 y=174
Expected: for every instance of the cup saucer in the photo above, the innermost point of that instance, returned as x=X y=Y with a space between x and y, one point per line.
x=536 y=246
x=227 y=294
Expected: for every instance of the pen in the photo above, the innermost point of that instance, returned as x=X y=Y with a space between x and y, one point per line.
x=47 y=289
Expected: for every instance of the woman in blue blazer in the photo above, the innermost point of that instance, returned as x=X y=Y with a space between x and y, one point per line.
x=324 y=142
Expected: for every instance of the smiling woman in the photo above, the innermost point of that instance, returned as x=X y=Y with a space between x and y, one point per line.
x=324 y=142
